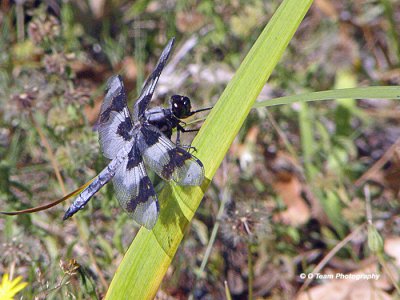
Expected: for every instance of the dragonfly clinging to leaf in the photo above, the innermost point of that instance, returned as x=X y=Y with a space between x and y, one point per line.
x=142 y=139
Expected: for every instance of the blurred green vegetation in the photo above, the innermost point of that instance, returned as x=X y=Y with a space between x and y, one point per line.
x=292 y=187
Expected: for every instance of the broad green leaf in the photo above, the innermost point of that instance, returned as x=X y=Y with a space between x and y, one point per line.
x=146 y=261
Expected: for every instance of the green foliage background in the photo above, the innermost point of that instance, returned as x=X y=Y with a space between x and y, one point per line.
x=54 y=61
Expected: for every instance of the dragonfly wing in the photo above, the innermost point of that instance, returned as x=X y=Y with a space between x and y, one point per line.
x=150 y=84
x=167 y=160
x=115 y=122
x=135 y=191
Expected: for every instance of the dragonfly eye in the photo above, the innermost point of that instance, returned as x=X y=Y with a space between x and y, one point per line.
x=181 y=107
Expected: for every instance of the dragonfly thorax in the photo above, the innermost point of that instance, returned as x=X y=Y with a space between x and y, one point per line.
x=163 y=119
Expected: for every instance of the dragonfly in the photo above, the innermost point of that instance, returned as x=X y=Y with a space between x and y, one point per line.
x=167 y=119
x=135 y=141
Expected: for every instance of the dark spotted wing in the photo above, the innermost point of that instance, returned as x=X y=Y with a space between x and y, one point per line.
x=115 y=122
x=104 y=176
x=135 y=191
x=148 y=89
x=166 y=159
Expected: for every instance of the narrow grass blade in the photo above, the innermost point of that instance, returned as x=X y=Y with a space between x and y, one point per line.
x=227 y=291
x=372 y=92
x=146 y=261
x=307 y=138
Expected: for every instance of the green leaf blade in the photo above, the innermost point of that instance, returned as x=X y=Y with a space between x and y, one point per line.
x=236 y=101
x=371 y=92
x=146 y=262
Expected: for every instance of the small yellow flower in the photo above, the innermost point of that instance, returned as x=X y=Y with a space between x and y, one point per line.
x=8 y=289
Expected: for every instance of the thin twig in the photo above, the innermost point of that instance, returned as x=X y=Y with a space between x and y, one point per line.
x=282 y=135
x=388 y=272
x=378 y=164
x=250 y=269
x=224 y=200
x=368 y=209
x=19 y=11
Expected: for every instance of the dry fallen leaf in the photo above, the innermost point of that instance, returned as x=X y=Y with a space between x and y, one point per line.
x=327 y=8
x=97 y=7
x=189 y=21
x=392 y=248
x=288 y=186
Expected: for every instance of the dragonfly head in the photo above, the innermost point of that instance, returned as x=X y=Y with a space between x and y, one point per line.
x=180 y=106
